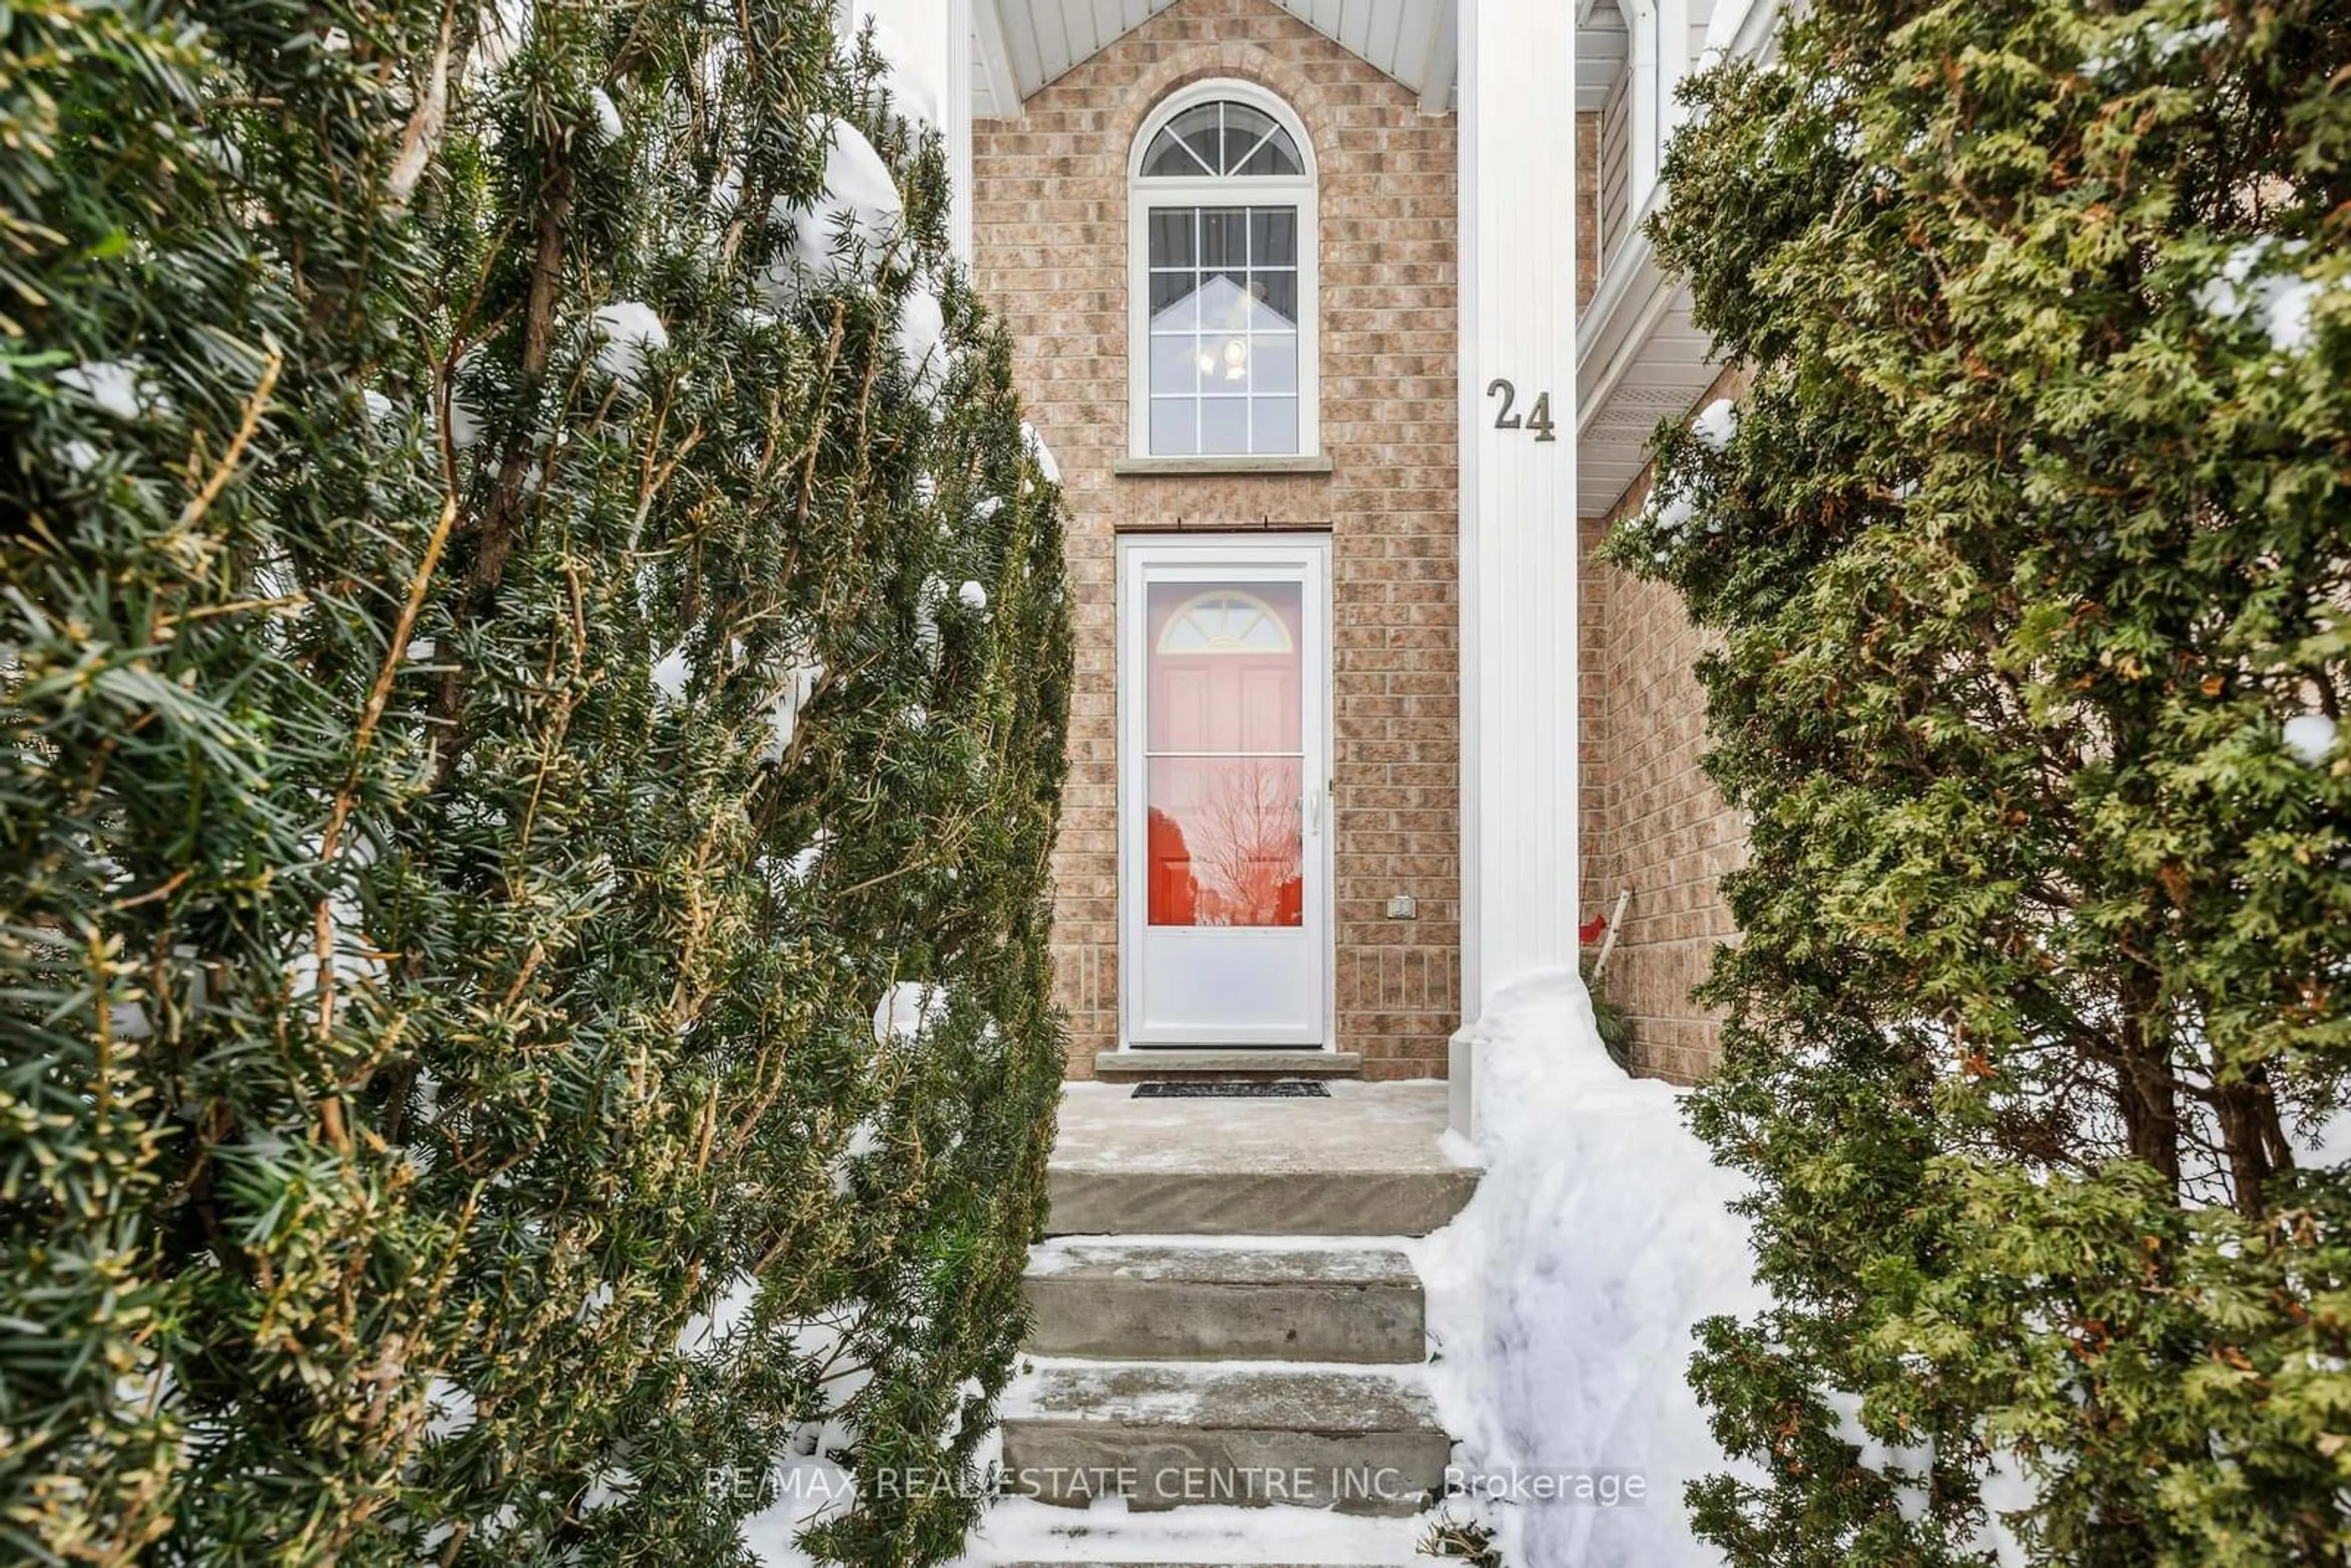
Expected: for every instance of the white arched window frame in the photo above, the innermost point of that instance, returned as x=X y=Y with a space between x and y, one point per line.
x=1226 y=620
x=1219 y=368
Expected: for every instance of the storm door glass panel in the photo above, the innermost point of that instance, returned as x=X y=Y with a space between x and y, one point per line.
x=1224 y=759
x=1224 y=344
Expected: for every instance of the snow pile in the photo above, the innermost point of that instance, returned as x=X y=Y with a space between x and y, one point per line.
x=607 y=115
x=1562 y=1301
x=730 y=1311
x=505 y=28
x=451 y=1412
x=811 y=1479
x=906 y=1009
x=800 y=683
x=1668 y=519
x=353 y=959
x=914 y=92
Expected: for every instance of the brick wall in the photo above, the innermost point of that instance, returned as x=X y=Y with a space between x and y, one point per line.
x=1050 y=237
x=1652 y=821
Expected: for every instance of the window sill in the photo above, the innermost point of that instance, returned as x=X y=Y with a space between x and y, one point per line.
x=1166 y=467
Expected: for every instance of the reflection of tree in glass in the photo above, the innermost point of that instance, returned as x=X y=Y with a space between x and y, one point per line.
x=1245 y=845
x=1174 y=893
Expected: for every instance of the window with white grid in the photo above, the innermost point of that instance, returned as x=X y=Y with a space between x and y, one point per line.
x=1223 y=199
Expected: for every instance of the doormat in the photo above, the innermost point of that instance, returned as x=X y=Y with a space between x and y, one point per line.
x=1280 y=1089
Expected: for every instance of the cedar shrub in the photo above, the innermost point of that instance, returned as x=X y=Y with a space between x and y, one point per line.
x=2028 y=555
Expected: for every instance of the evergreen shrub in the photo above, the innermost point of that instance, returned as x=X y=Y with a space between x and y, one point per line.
x=534 y=664
x=2029 y=551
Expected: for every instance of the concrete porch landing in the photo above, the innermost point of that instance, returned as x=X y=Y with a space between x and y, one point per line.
x=1365 y=1161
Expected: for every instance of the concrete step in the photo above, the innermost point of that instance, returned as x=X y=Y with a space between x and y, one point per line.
x=1255 y=1203
x=1162 y=1062
x=1368 y=1161
x=1159 y=1300
x=1168 y=1435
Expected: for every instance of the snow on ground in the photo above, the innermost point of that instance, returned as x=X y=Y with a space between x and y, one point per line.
x=1561 y=1302
x=1561 y=1305
x=1021 y=1531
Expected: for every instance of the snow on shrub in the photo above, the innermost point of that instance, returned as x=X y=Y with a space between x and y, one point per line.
x=920 y=327
x=624 y=332
x=907 y=1008
x=1047 y=468
x=2310 y=736
x=120 y=389
x=1716 y=423
x=855 y=223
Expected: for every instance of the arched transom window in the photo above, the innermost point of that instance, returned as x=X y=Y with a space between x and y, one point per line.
x=1224 y=621
x=1222 y=194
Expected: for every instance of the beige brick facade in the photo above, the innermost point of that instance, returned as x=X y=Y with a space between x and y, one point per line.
x=1652 y=822
x=1050 y=240
x=1051 y=253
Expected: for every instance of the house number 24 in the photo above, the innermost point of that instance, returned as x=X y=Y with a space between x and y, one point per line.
x=1538 y=417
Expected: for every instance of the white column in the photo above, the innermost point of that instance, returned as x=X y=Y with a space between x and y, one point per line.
x=1519 y=882
x=957 y=128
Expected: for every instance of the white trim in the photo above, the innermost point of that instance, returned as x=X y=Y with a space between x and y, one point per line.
x=1208 y=558
x=1443 y=56
x=1468 y=589
x=1143 y=195
x=957 y=129
x=995 y=57
x=1645 y=119
x=1740 y=28
x=1632 y=282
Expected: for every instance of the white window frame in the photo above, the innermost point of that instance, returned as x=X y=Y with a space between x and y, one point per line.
x=1144 y=196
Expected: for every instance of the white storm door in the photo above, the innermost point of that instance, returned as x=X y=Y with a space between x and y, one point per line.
x=1225 y=883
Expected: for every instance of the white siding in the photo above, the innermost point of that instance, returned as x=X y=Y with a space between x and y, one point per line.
x=1045 y=39
x=1615 y=167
